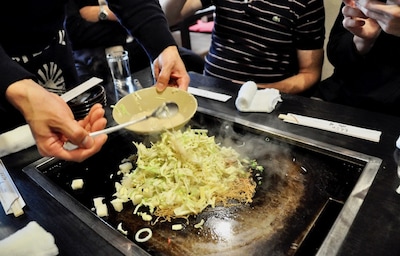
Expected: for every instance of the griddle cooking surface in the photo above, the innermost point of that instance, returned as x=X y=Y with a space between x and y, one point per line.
x=298 y=186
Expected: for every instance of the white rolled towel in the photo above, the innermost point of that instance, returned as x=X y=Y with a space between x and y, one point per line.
x=32 y=240
x=16 y=140
x=251 y=99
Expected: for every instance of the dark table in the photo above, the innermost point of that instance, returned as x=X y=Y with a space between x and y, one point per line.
x=375 y=230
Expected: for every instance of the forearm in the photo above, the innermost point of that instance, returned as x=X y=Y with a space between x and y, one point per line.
x=362 y=45
x=91 y=13
x=341 y=50
x=309 y=73
x=12 y=72
x=86 y=34
x=146 y=21
x=295 y=84
x=19 y=94
x=173 y=10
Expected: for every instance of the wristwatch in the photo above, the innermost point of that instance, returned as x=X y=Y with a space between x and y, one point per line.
x=103 y=14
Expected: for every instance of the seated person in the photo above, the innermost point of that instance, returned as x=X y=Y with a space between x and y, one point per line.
x=276 y=46
x=365 y=59
x=91 y=31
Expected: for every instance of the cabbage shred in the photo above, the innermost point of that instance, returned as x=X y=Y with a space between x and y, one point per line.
x=184 y=173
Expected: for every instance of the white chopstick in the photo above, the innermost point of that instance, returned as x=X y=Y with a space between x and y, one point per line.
x=78 y=90
x=345 y=129
x=209 y=94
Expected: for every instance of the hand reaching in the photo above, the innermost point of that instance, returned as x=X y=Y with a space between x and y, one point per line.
x=387 y=15
x=364 y=29
x=52 y=122
x=169 y=70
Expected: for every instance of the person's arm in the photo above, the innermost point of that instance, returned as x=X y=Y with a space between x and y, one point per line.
x=87 y=34
x=12 y=72
x=385 y=14
x=145 y=20
x=342 y=50
x=91 y=13
x=365 y=30
x=49 y=117
x=52 y=122
x=308 y=42
x=310 y=69
x=178 y=10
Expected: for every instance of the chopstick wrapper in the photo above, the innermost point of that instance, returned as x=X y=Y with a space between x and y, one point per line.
x=350 y=130
x=10 y=198
x=21 y=137
x=32 y=240
x=251 y=99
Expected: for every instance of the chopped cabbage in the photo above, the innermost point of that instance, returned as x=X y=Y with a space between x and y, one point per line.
x=184 y=173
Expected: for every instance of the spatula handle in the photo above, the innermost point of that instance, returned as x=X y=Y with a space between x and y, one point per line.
x=117 y=127
x=70 y=146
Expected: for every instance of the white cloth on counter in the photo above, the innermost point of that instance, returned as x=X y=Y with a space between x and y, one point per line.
x=16 y=140
x=32 y=240
x=251 y=99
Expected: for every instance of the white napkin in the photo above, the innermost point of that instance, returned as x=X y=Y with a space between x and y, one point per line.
x=15 y=140
x=250 y=99
x=32 y=240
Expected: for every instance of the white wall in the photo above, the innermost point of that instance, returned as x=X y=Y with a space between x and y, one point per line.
x=331 y=11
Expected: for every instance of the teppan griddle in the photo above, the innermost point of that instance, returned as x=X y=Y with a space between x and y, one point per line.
x=307 y=191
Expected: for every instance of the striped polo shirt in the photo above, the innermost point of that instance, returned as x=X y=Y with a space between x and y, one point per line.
x=257 y=39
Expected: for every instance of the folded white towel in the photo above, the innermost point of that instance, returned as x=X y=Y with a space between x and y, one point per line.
x=32 y=240
x=15 y=140
x=251 y=99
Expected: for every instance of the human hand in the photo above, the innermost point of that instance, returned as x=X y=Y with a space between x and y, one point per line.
x=358 y=23
x=52 y=122
x=387 y=15
x=364 y=29
x=169 y=70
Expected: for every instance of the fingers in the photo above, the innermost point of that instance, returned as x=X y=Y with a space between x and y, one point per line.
x=351 y=23
x=353 y=12
x=163 y=78
x=183 y=82
x=180 y=81
x=170 y=70
x=95 y=120
x=80 y=154
x=78 y=134
x=349 y=3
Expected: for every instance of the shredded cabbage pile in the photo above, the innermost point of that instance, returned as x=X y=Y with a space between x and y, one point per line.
x=183 y=173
